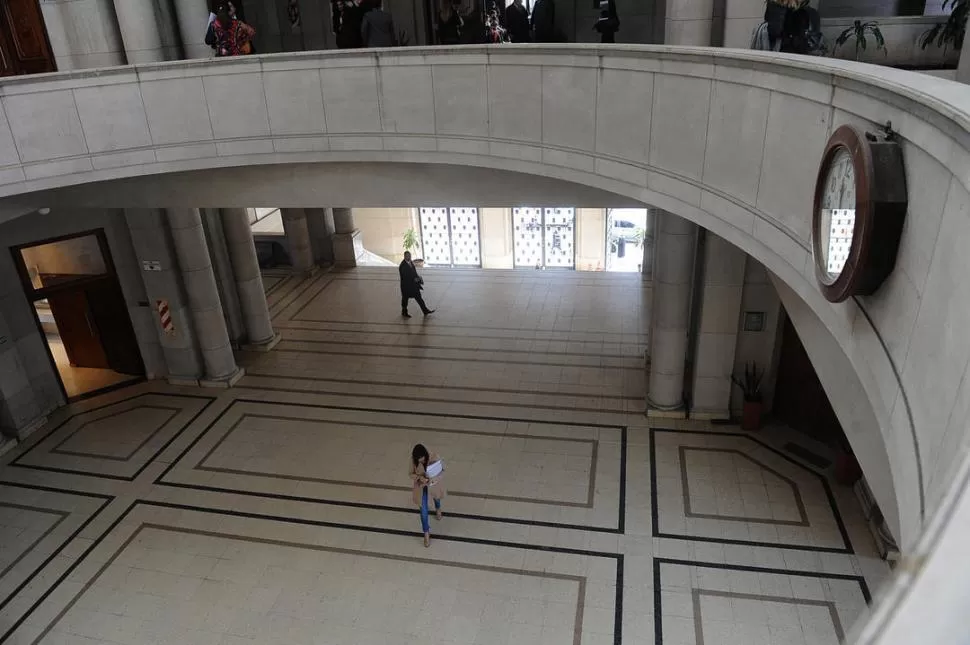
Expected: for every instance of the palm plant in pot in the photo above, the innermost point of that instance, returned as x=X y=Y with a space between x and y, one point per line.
x=952 y=32
x=860 y=31
x=411 y=245
x=750 y=385
x=847 y=469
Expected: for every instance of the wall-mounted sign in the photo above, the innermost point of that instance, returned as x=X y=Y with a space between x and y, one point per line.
x=754 y=321
x=151 y=265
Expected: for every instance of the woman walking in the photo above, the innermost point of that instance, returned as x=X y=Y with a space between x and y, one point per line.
x=425 y=472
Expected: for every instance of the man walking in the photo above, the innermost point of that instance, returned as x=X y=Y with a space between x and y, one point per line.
x=411 y=285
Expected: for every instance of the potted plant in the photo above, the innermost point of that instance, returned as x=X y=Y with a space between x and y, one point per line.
x=860 y=31
x=951 y=32
x=411 y=245
x=639 y=235
x=847 y=468
x=750 y=386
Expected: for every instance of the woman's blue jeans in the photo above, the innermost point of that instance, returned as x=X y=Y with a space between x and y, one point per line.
x=425 y=524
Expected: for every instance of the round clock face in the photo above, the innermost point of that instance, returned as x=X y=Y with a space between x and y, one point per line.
x=837 y=211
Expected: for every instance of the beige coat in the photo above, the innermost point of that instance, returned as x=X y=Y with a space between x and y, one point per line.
x=416 y=473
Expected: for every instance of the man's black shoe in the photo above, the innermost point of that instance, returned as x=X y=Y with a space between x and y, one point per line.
x=405 y=314
x=429 y=312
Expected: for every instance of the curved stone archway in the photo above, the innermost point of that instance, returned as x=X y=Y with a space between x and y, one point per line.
x=727 y=139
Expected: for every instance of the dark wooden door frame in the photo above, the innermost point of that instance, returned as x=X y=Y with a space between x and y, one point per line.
x=33 y=295
x=10 y=53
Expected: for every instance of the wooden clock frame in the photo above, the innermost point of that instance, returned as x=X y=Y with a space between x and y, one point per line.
x=880 y=211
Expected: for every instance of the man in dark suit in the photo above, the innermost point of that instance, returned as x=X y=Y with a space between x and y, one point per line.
x=517 y=22
x=411 y=285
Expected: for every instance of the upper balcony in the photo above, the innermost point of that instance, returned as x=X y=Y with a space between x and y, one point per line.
x=729 y=139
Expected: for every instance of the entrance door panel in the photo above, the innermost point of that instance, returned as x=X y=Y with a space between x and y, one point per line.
x=23 y=39
x=800 y=400
x=111 y=319
x=76 y=326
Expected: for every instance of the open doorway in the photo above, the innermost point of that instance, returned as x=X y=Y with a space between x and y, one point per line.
x=81 y=312
x=626 y=233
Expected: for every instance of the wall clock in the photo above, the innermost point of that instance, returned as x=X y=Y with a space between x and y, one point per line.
x=859 y=211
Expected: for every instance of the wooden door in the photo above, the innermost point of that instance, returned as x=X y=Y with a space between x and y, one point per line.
x=75 y=324
x=800 y=402
x=24 y=48
x=113 y=324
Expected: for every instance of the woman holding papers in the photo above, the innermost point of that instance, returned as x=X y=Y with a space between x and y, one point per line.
x=425 y=471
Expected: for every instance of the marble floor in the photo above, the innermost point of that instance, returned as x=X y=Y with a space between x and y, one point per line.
x=279 y=511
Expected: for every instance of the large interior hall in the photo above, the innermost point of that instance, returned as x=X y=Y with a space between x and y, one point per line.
x=279 y=510
x=484 y=322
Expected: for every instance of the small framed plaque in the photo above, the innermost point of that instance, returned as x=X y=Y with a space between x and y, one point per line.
x=754 y=321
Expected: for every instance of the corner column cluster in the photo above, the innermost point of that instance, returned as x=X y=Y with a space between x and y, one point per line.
x=206 y=290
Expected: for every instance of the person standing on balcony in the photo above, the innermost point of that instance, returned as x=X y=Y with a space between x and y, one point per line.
x=544 y=21
x=411 y=286
x=517 y=22
x=449 y=25
x=377 y=28
x=609 y=22
x=347 y=18
x=229 y=36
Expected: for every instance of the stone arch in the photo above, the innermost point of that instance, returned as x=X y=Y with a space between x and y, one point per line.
x=727 y=139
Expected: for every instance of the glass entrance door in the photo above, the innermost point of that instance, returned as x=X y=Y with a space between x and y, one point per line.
x=544 y=237
x=450 y=237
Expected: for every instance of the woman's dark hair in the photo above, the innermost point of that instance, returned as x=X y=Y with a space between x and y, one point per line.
x=418 y=452
x=223 y=15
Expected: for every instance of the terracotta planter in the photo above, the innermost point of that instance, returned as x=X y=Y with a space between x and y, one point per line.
x=419 y=263
x=751 y=415
x=847 y=469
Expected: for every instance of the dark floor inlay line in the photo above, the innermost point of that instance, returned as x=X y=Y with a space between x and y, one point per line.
x=621 y=508
x=452 y=359
x=469 y=388
x=131 y=453
x=591 y=486
x=689 y=512
x=805 y=454
x=654 y=506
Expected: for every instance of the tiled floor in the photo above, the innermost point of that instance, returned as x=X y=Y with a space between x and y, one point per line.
x=279 y=511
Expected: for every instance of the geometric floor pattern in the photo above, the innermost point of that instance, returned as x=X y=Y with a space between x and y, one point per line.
x=279 y=511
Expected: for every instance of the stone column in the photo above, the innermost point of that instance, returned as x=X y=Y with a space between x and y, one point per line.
x=147 y=31
x=688 y=22
x=673 y=268
x=249 y=281
x=720 y=308
x=320 y=223
x=347 y=243
x=203 y=297
x=152 y=243
x=297 y=239
x=83 y=34
x=29 y=388
x=192 y=16
x=963 y=68
x=222 y=268
x=649 y=244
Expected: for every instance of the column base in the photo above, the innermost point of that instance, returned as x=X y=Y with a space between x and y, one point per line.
x=264 y=346
x=183 y=381
x=347 y=249
x=710 y=415
x=7 y=444
x=657 y=413
x=225 y=383
x=22 y=433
